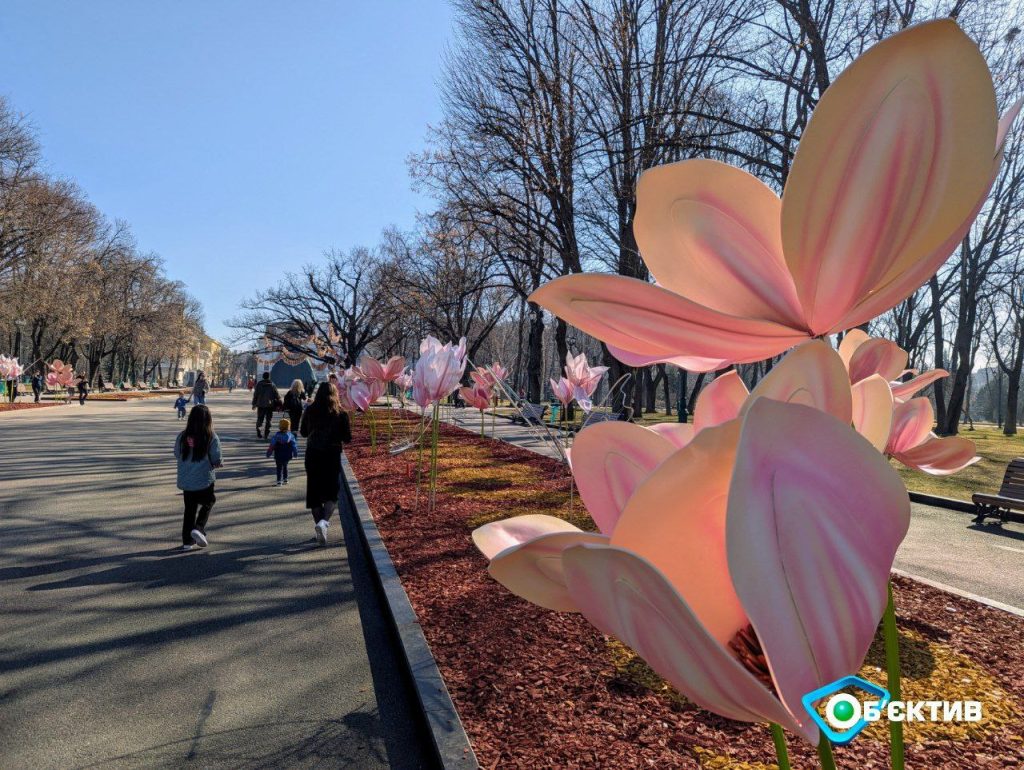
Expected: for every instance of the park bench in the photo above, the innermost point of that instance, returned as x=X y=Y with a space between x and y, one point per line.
x=1009 y=499
x=595 y=417
x=530 y=414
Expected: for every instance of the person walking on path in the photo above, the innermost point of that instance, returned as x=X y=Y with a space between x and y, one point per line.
x=83 y=390
x=284 y=448
x=197 y=450
x=37 y=386
x=180 y=403
x=294 y=400
x=326 y=427
x=265 y=399
x=231 y=384
x=199 y=389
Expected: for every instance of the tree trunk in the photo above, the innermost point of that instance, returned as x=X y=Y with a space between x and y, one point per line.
x=1013 y=385
x=534 y=356
x=939 y=385
x=666 y=385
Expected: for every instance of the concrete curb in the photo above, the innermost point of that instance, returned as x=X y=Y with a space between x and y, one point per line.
x=948 y=503
x=450 y=741
x=958 y=592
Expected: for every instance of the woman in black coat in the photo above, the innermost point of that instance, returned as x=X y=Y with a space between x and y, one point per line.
x=293 y=401
x=326 y=429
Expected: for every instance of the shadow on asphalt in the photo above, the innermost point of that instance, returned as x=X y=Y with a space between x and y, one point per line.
x=997 y=529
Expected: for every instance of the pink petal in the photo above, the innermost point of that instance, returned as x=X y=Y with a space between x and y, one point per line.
x=491 y=539
x=676 y=521
x=812 y=375
x=628 y=598
x=719 y=401
x=815 y=517
x=533 y=570
x=872 y=410
x=710 y=232
x=877 y=356
x=647 y=320
x=609 y=461
x=852 y=340
x=894 y=158
x=912 y=422
x=678 y=433
x=904 y=390
x=689 y=363
x=940 y=456
x=903 y=280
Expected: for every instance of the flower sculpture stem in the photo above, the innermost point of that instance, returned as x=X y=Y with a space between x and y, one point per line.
x=419 y=458
x=828 y=762
x=482 y=424
x=373 y=429
x=433 y=458
x=781 y=753
x=892 y=668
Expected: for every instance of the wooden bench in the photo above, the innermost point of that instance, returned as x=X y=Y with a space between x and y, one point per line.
x=530 y=414
x=1009 y=499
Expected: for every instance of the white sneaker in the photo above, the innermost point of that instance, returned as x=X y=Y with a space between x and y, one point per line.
x=184 y=547
x=279 y=483
x=199 y=538
x=321 y=532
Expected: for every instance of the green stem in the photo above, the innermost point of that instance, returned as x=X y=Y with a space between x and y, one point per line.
x=781 y=753
x=892 y=668
x=825 y=754
x=373 y=429
x=433 y=459
x=482 y=424
x=419 y=458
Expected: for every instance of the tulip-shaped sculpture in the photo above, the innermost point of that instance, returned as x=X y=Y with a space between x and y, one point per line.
x=436 y=375
x=744 y=570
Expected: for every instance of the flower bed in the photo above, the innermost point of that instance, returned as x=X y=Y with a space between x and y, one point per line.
x=541 y=689
x=6 y=406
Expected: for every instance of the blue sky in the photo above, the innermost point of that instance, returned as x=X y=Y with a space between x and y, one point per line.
x=239 y=138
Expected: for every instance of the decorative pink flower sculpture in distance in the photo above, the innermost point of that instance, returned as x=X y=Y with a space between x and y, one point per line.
x=61 y=375
x=866 y=217
x=476 y=397
x=713 y=562
x=438 y=371
x=563 y=390
x=372 y=369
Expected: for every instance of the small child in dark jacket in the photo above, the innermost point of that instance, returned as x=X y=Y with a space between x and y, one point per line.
x=284 y=448
x=180 y=404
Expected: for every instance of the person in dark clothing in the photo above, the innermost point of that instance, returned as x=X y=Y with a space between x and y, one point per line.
x=294 y=400
x=326 y=427
x=197 y=449
x=265 y=399
x=37 y=386
x=284 y=448
x=83 y=390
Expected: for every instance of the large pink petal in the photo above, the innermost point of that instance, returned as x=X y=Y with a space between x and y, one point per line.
x=815 y=517
x=648 y=320
x=676 y=520
x=679 y=433
x=877 y=356
x=720 y=401
x=812 y=375
x=904 y=390
x=912 y=422
x=710 y=232
x=903 y=280
x=894 y=158
x=872 y=410
x=491 y=539
x=626 y=597
x=533 y=570
x=940 y=456
x=609 y=461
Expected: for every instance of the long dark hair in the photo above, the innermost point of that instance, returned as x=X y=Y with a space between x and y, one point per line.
x=199 y=428
x=325 y=406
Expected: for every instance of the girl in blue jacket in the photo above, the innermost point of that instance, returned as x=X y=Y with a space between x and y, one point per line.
x=197 y=449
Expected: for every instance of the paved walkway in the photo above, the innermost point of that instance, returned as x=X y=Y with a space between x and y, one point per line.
x=943 y=546
x=115 y=653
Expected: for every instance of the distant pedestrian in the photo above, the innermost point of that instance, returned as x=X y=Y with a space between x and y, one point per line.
x=180 y=403
x=37 y=386
x=83 y=390
x=197 y=450
x=284 y=448
x=265 y=399
x=200 y=388
x=294 y=400
x=326 y=428
x=231 y=384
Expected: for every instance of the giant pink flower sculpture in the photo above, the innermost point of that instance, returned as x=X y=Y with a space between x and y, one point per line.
x=438 y=371
x=372 y=369
x=711 y=560
x=893 y=167
x=61 y=375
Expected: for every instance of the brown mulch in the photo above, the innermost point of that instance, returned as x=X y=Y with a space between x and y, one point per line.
x=541 y=689
x=7 y=406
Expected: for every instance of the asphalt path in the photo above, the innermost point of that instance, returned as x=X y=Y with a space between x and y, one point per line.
x=263 y=650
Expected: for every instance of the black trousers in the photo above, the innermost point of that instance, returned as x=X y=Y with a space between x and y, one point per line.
x=264 y=414
x=282 y=468
x=197 y=511
x=35 y=394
